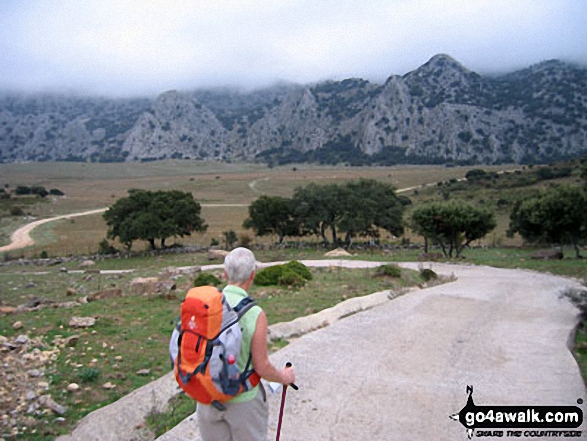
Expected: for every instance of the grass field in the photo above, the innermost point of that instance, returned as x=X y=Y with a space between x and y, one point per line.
x=91 y=186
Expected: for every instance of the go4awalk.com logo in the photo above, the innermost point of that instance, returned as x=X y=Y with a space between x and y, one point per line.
x=518 y=421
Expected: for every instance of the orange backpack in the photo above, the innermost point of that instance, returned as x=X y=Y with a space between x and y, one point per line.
x=208 y=345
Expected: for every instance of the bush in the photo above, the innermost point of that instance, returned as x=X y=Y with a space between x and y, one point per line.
x=389 y=271
x=290 y=278
x=282 y=274
x=269 y=276
x=88 y=374
x=299 y=268
x=427 y=275
x=204 y=279
x=16 y=211
x=104 y=247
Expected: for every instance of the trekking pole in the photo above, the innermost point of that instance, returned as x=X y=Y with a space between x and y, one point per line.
x=288 y=364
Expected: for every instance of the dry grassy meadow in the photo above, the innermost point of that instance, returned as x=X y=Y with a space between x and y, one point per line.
x=224 y=190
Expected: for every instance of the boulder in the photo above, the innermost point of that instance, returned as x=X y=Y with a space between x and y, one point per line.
x=217 y=254
x=144 y=286
x=7 y=309
x=82 y=322
x=48 y=402
x=105 y=294
x=339 y=252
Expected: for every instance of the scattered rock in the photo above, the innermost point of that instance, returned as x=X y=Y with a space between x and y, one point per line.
x=143 y=286
x=70 y=341
x=21 y=339
x=339 y=252
x=70 y=292
x=82 y=322
x=108 y=385
x=35 y=302
x=87 y=263
x=30 y=395
x=30 y=285
x=73 y=387
x=17 y=325
x=144 y=372
x=105 y=294
x=48 y=402
x=7 y=309
x=35 y=373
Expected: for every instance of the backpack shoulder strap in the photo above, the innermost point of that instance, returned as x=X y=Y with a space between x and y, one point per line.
x=243 y=306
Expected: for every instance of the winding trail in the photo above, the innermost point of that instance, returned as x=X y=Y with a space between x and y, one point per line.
x=21 y=238
x=397 y=369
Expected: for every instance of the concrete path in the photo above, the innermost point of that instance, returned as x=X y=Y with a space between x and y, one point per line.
x=397 y=371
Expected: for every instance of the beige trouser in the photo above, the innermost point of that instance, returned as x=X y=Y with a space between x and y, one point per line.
x=239 y=422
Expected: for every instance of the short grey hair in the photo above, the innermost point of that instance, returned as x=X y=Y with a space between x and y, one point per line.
x=239 y=265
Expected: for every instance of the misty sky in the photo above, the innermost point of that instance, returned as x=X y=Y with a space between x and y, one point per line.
x=138 y=47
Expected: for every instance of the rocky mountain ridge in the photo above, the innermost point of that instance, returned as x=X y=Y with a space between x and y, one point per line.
x=438 y=113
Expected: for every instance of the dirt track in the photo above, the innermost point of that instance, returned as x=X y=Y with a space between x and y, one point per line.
x=21 y=238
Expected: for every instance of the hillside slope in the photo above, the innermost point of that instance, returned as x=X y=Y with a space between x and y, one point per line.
x=438 y=113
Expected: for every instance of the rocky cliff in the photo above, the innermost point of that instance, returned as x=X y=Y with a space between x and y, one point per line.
x=439 y=113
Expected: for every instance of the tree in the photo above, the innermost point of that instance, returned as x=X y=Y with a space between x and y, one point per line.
x=272 y=215
x=556 y=216
x=230 y=238
x=358 y=208
x=148 y=215
x=319 y=208
x=452 y=225
x=368 y=206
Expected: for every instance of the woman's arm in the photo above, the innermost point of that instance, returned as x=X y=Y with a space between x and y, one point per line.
x=261 y=357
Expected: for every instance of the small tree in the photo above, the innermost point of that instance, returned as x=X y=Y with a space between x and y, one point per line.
x=230 y=238
x=452 y=225
x=557 y=216
x=151 y=215
x=272 y=215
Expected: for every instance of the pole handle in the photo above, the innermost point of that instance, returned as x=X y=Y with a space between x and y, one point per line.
x=288 y=364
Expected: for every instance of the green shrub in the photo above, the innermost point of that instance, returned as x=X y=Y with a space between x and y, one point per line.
x=291 y=278
x=104 y=247
x=300 y=269
x=389 y=271
x=281 y=274
x=204 y=279
x=428 y=274
x=88 y=374
x=269 y=276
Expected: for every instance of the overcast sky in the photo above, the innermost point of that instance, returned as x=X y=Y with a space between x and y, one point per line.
x=138 y=47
